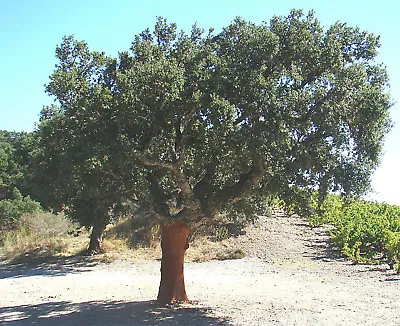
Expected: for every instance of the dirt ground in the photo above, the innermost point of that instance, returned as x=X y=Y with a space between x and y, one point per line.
x=290 y=276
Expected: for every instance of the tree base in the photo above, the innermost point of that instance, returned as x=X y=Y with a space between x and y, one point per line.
x=173 y=244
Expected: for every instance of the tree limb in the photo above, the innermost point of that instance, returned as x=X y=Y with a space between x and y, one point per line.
x=147 y=162
x=234 y=193
x=158 y=196
x=112 y=174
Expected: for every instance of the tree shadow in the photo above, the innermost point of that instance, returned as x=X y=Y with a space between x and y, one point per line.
x=108 y=313
x=141 y=231
x=47 y=267
x=320 y=247
x=323 y=250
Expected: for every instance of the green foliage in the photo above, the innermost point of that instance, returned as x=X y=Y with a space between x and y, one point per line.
x=392 y=246
x=194 y=125
x=366 y=231
x=16 y=154
x=12 y=209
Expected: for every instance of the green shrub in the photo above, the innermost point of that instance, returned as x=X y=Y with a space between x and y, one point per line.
x=392 y=246
x=12 y=209
x=366 y=232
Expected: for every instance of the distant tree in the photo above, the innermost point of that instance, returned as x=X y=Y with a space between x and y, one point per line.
x=12 y=208
x=202 y=124
x=75 y=173
x=7 y=166
x=16 y=155
x=79 y=161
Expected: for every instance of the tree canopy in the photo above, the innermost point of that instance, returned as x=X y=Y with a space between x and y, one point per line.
x=193 y=125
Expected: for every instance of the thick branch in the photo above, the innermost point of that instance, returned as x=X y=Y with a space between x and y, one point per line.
x=158 y=196
x=145 y=161
x=205 y=177
x=191 y=204
x=234 y=193
x=112 y=174
x=183 y=127
x=201 y=189
x=187 y=194
x=178 y=140
x=187 y=217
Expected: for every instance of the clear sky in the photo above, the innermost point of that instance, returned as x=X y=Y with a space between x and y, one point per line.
x=30 y=31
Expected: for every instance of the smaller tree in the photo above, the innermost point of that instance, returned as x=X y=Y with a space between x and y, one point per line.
x=74 y=148
x=77 y=174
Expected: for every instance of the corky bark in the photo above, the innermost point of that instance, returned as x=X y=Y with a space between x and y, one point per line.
x=174 y=243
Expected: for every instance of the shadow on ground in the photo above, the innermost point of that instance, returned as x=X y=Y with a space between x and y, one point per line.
x=47 y=267
x=323 y=250
x=108 y=313
x=320 y=248
x=318 y=244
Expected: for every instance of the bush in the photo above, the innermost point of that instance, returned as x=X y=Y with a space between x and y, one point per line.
x=12 y=209
x=37 y=235
x=230 y=254
x=366 y=232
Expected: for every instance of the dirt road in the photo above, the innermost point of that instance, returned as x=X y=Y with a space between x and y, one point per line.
x=290 y=276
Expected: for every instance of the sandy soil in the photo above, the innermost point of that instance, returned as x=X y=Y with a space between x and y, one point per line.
x=290 y=276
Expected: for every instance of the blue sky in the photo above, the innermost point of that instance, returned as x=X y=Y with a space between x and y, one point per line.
x=30 y=31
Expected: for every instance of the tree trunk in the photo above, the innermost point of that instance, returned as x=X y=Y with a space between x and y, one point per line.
x=96 y=239
x=174 y=243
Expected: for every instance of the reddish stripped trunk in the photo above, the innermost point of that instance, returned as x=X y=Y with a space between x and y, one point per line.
x=174 y=243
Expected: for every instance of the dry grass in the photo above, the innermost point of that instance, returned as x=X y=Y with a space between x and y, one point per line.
x=40 y=235
x=132 y=239
x=47 y=235
x=204 y=249
x=138 y=232
x=139 y=239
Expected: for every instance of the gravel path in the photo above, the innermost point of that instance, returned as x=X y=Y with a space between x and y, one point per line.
x=290 y=276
